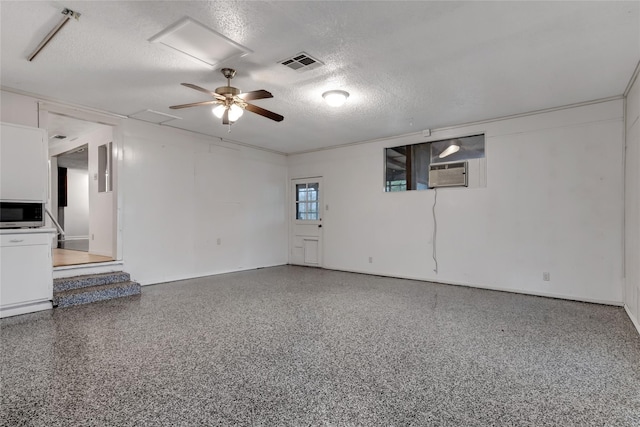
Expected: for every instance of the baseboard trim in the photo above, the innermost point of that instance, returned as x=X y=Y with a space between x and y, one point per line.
x=170 y=279
x=25 y=308
x=490 y=288
x=635 y=321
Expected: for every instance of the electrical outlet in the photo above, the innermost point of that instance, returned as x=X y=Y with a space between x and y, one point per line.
x=546 y=276
x=92 y=236
x=370 y=260
x=219 y=241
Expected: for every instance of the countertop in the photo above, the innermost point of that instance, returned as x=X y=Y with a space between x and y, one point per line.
x=27 y=230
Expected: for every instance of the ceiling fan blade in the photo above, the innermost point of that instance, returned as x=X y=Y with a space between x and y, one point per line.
x=265 y=113
x=201 y=89
x=256 y=94
x=193 y=104
x=225 y=117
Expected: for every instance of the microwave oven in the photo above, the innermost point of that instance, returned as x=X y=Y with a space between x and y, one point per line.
x=21 y=214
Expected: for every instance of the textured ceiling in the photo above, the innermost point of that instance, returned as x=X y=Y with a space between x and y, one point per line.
x=69 y=127
x=408 y=65
x=78 y=158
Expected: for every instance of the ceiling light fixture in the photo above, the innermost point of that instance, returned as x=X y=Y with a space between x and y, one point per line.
x=68 y=13
x=453 y=148
x=218 y=110
x=335 y=98
x=235 y=112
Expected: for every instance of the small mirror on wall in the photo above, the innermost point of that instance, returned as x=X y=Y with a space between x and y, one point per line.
x=105 y=177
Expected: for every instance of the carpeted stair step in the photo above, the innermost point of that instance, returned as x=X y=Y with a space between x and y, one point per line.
x=95 y=293
x=68 y=283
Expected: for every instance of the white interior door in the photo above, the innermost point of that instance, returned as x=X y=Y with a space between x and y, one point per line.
x=306 y=222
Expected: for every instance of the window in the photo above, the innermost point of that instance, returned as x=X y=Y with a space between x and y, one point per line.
x=307 y=201
x=407 y=166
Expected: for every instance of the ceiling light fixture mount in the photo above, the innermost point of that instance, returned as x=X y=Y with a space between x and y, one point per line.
x=335 y=98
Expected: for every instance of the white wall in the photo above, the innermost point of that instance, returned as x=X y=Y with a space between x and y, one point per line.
x=632 y=204
x=76 y=213
x=553 y=203
x=183 y=192
x=18 y=109
x=101 y=228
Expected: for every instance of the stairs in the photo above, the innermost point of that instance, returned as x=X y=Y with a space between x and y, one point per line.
x=77 y=290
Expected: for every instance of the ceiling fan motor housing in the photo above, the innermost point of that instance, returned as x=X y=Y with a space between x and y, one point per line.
x=227 y=91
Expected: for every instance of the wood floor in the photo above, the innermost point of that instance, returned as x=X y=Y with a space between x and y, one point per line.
x=63 y=257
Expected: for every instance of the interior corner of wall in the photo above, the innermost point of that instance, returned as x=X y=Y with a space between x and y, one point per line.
x=632 y=317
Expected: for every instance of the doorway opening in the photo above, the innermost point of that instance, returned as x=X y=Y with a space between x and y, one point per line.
x=82 y=198
x=73 y=198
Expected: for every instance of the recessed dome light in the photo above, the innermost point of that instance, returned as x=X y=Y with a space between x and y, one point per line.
x=335 y=98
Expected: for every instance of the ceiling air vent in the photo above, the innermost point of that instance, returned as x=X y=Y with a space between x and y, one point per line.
x=301 y=62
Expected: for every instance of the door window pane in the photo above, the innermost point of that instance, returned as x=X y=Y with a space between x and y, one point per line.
x=301 y=192
x=307 y=197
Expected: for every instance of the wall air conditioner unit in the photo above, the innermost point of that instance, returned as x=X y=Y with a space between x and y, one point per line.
x=448 y=175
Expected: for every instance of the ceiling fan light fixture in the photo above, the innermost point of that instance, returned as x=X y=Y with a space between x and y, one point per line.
x=453 y=148
x=229 y=103
x=235 y=112
x=218 y=110
x=335 y=98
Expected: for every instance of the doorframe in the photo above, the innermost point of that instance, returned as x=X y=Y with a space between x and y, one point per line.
x=291 y=216
x=117 y=147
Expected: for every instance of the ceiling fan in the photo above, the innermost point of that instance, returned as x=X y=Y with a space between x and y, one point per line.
x=230 y=102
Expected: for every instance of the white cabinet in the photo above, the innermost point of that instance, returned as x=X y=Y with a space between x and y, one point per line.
x=23 y=163
x=26 y=272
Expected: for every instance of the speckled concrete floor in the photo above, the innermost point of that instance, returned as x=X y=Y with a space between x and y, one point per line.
x=297 y=346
